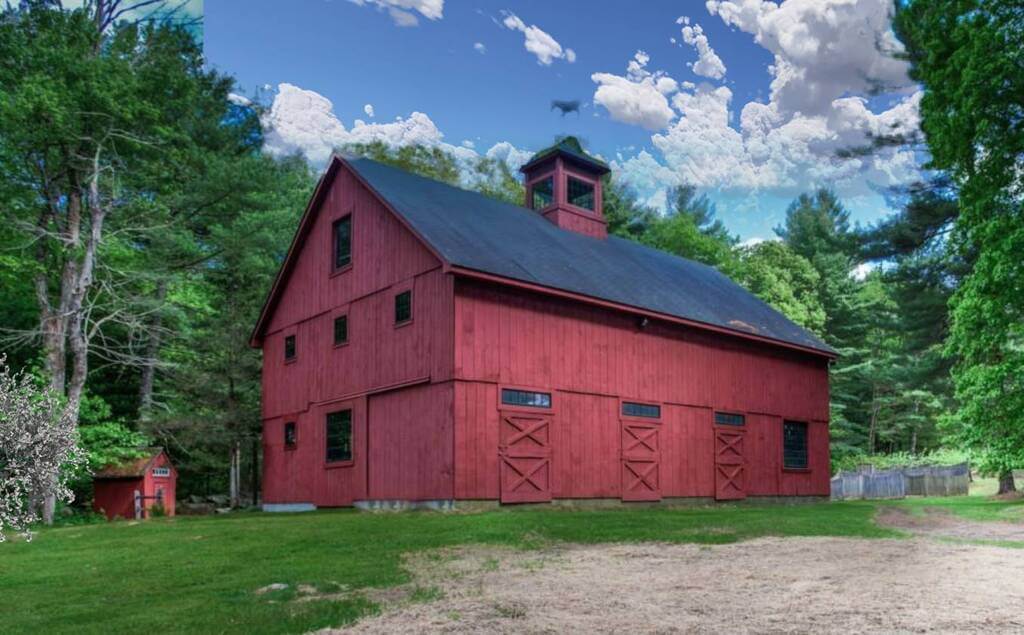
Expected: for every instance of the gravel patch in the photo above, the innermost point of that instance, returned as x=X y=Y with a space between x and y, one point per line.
x=769 y=585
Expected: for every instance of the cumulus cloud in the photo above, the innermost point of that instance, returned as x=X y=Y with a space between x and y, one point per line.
x=829 y=55
x=303 y=122
x=708 y=63
x=639 y=97
x=368 y=109
x=402 y=11
x=479 y=48
x=538 y=41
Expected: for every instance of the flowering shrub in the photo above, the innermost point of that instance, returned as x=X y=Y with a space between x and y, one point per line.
x=38 y=450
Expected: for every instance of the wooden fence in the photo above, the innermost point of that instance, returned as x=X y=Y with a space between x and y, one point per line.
x=870 y=484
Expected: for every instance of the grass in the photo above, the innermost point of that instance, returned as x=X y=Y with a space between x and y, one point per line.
x=200 y=574
x=976 y=506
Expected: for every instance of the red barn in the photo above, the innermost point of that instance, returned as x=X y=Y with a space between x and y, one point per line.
x=151 y=477
x=427 y=344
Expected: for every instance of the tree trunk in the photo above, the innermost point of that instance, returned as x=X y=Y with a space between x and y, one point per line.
x=151 y=352
x=1006 y=483
x=234 y=476
x=255 y=471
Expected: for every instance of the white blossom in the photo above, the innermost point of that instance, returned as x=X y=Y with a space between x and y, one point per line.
x=38 y=450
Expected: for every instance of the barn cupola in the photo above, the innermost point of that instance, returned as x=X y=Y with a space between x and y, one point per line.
x=563 y=184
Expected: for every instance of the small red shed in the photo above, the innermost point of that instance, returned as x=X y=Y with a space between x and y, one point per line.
x=133 y=488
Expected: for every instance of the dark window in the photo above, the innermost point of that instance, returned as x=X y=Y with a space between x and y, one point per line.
x=581 y=194
x=342 y=242
x=289 y=434
x=794 y=445
x=340 y=329
x=403 y=307
x=543 y=193
x=289 y=347
x=729 y=419
x=641 y=410
x=525 y=398
x=339 y=436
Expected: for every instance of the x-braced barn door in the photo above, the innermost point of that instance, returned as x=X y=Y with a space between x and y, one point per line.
x=525 y=454
x=641 y=480
x=730 y=466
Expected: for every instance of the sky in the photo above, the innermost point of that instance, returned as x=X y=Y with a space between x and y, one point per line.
x=748 y=100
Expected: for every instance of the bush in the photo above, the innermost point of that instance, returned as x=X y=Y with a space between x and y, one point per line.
x=899 y=460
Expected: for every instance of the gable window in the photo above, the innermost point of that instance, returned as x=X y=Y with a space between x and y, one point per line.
x=729 y=419
x=641 y=410
x=525 y=398
x=403 y=307
x=339 y=436
x=581 y=194
x=289 y=348
x=290 y=435
x=341 y=330
x=342 y=232
x=794 y=445
x=161 y=472
x=543 y=193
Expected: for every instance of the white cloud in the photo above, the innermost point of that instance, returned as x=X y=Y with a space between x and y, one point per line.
x=368 y=109
x=829 y=55
x=862 y=270
x=402 y=11
x=466 y=143
x=708 y=63
x=479 y=48
x=538 y=41
x=638 y=98
x=303 y=121
x=239 y=100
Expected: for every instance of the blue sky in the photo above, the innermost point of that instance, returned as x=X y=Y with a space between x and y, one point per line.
x=466 y=68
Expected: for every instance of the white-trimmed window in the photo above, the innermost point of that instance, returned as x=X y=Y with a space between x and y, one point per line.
x=163 y=472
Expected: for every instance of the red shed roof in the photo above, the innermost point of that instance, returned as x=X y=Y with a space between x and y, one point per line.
x=134 y=468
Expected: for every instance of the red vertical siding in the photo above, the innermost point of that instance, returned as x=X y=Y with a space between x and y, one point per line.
x=386 y=259
x=116 y=497
x=410 y=444
x=590 y=357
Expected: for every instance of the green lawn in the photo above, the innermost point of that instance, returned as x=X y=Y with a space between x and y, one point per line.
x=199 y=574
x=977 y=506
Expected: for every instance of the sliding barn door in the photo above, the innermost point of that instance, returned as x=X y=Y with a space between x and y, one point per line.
x=730 y=465
x=641 y=458
x=525 y=455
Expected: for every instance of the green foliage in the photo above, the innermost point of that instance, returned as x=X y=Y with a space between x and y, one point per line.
x=941 y=456
x=788 y=282
x=969 y=56
x=110 y=443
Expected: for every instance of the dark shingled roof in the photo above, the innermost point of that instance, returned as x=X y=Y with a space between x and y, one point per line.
x=570 y=148
x=477 y=232
x=132 y=468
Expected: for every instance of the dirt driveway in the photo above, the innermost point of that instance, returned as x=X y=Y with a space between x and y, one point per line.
x=767 y=585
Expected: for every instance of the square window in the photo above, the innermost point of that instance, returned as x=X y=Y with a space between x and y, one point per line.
x=339 y=436
x=341 y=330
x=581 y=194
x=729 y=419
x=342 y=232
x=403 y=307
x=543 y=193
x=525 y=398
x=290 y=435
x=289 y=347
x=794 y=445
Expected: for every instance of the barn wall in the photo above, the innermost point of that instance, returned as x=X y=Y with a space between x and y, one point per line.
x=167 y=483
x=386 y=260
x=116 y=497
x=589 y=358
